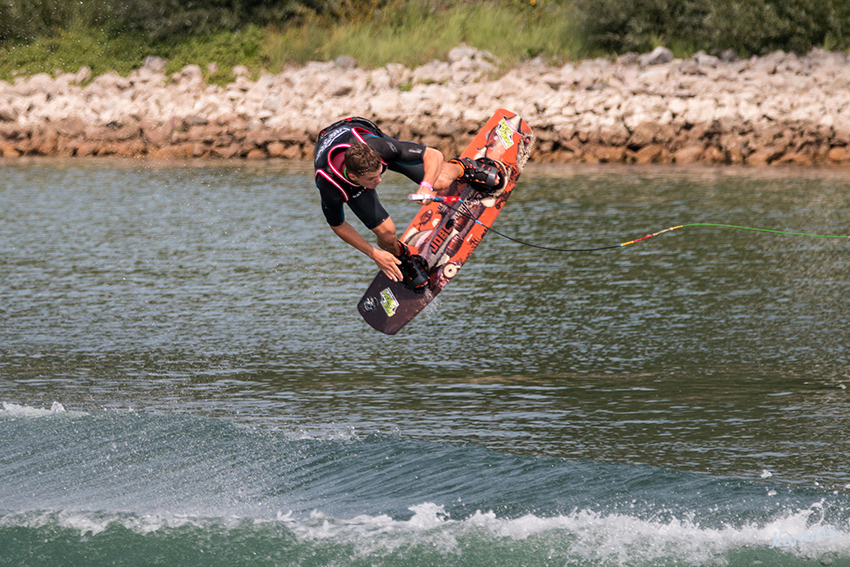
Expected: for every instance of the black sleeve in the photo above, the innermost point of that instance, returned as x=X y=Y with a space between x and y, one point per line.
x=401 y=157
x=393 y=151
x=332 y=202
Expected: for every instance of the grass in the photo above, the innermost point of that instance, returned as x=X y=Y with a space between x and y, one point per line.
x=416 y=36
x=412 y=34
x=70 y=50
x=46 y=35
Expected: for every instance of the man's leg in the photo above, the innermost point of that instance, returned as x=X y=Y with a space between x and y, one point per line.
x=448 y=174
x=484 y=174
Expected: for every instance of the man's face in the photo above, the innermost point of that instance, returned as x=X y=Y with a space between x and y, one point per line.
x=368 y=180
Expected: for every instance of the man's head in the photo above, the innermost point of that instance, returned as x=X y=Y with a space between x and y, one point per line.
x=363 y=165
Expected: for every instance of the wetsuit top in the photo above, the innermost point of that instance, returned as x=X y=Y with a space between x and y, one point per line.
x=336 y=189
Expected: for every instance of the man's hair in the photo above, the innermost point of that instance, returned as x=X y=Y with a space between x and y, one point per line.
x=360 y=159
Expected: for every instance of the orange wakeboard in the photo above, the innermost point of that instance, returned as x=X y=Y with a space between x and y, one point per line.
x=445 y=234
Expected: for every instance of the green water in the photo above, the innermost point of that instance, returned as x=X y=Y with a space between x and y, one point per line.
x=219 y=290
x=199 y=291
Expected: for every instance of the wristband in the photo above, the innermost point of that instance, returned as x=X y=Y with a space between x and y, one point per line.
x=428 y=185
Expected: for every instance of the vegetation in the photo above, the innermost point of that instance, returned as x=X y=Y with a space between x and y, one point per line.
x=46 y=35
x=746 y=26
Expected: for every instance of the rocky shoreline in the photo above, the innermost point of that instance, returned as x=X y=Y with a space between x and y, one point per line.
x=781 y=109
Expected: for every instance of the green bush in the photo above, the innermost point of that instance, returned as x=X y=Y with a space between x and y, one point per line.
x=414 y=32
x=224 y=48
x=747 y=26
x=621 y=26
x=45 y=35
x=30 y=19
x=159 y=19
x=164 y=19
x=70 y=50
x=761 y=26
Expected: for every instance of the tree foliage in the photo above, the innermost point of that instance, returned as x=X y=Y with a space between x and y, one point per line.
x=159 y=19
x=747 y=26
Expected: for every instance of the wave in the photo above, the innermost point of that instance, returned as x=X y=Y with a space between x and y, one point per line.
x=429 y=537
x=142 y=488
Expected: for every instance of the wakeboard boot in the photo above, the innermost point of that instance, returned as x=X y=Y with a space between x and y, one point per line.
x=484 y=174
x=414 y=270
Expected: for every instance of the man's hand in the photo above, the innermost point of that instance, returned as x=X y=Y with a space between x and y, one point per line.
x=426 y=189
x=387 y=263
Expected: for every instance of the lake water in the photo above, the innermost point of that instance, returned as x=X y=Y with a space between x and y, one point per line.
x=185 y=379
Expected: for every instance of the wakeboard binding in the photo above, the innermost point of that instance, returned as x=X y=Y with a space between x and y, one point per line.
x=414 y=269
x=484 y=174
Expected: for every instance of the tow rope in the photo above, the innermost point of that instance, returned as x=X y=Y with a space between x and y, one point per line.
x=449 y=200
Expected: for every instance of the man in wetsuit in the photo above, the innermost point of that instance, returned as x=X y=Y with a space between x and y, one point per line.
x=351 y=157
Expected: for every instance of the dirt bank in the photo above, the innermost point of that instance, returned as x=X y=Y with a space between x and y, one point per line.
x=774 y=110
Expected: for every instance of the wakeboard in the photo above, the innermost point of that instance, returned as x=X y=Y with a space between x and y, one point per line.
x=446 y=233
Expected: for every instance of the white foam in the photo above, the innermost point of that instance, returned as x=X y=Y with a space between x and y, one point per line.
x=336 y=433
x=93 y=523
x=378 y=535
x=584 y=535
x=598 y=537
x=19 y=411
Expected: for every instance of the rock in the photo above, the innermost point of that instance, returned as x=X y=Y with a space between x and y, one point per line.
x=616 y=135
x=654 y=153
x=293 y=152
x=608 y=154
x=83 y=75
x=7 y=112
x=153 y=135
x=154 y=64
x=275 y=149
x=189 y=73
x=690 y=67
x=643 y=135
x=704 y=60
x=714 y=155
x=781 y=108
x=630 y=58
x=385 y=104
x=8 y=150
x=462 y=52
x=839 y=154
x=764 y=156
x=87 y=149
x=688 y=155
x=345 y=62
x=658 y=56
x=226 y=152
x=36 y=84
x=728 y=56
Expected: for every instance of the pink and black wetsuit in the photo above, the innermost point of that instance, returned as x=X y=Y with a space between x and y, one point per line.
x=336 y=189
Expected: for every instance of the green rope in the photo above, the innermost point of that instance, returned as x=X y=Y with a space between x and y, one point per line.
x=764 y=230
x=552 y=249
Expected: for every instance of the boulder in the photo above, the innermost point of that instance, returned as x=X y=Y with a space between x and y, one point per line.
x=658 y=56
x=688 y=155
x=647 y=108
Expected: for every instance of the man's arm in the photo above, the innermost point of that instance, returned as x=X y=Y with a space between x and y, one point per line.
x=386 y=261
x=433 y=167
x=432 y=162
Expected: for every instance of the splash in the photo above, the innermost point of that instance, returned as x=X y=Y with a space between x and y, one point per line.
x=14 y=411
